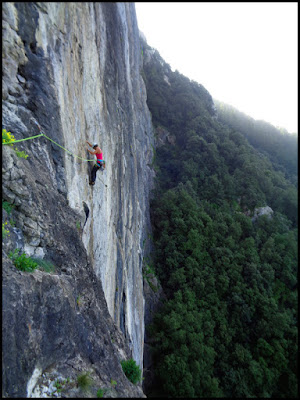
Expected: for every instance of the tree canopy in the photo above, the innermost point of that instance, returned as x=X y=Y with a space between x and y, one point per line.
x=228 y=327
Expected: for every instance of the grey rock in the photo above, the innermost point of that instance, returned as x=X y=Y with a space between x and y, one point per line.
x=18 y=241
x=30 y=223
x=6 y=175
x=14 y=174
x=258 y=212
x=8 y=158
x=35 y=241
x=39 y=252
x=29 y=232
x=28 y=211
x=19 y=189
x=79 y=81
x=8 y=195
x=17 y=201
x=164 y=137
x=21 y=79
x=9 y=16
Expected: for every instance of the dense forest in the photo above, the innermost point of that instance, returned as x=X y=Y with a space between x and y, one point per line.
x=228 y=326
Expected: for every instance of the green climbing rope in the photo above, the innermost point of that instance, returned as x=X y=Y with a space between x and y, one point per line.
x=83 y=159
x=22 y=140
x=42 y=134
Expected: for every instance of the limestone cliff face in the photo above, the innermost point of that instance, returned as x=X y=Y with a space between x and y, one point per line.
x=74 y=68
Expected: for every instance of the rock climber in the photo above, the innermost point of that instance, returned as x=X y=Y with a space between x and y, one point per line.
x=100 y=164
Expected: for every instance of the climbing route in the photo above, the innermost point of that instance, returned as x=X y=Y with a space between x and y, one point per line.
x=42 y=134
x=45 y=136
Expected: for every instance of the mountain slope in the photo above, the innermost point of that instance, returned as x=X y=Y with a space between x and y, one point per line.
x=280 y=146
x=225 y=232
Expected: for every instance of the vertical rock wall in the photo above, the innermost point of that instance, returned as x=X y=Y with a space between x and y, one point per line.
x=75 y=69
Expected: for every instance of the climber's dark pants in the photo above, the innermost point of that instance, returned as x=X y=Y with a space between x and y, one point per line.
x=94 y=171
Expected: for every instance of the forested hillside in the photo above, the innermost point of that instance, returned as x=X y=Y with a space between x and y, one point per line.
x=277 y=144
x=229 y=325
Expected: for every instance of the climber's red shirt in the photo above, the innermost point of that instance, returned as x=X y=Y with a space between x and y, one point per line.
x=99 y=156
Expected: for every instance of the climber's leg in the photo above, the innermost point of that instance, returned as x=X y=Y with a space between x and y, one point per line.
x=93 y=174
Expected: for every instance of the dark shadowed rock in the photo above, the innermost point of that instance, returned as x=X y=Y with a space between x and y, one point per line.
x=72 y=72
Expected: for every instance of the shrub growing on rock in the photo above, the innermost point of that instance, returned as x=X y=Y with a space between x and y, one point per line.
x=22 y=262
x=131 y=370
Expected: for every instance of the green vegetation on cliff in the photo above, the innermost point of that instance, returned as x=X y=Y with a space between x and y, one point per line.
x=229 y=325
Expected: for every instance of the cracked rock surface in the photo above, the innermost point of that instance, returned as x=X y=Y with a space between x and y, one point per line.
x=74 y=70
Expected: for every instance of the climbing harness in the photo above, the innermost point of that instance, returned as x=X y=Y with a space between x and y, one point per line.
x=100 y=164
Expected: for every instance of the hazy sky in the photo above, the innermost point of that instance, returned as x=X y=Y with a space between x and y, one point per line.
x=245 y=54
